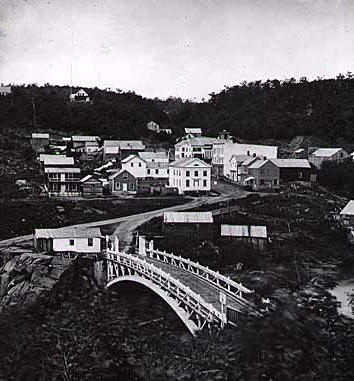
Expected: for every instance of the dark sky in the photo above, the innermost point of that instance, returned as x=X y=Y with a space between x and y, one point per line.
x=185 y=48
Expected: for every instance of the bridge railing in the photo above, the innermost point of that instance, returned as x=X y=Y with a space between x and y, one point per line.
x=167 y=282
x=221 y=281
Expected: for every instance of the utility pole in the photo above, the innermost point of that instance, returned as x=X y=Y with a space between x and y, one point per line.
x=34 y=113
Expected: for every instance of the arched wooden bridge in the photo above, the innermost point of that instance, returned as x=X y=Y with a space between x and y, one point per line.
x=198 y=295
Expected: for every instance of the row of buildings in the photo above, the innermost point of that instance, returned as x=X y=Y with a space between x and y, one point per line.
x=129 y=167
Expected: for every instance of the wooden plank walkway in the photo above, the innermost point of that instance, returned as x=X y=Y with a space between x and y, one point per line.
x=208 y=291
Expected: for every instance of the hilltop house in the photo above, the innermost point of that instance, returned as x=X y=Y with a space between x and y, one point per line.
x=190 y=175
x=5 y=91
x=69 y=240
x=321 y=155
x=152 y=126
x=120 y=149
x=80 y=97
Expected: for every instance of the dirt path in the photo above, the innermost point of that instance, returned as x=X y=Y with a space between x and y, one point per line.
x=128 y=224
x=126 y=229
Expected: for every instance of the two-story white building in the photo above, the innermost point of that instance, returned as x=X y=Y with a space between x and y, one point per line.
x=190 y=175
x=135 y=165
x=63 y=182
x=154 y=157
x=251 y=150
x=197 y=147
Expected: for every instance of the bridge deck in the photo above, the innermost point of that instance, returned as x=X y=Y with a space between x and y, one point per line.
x=209 y=292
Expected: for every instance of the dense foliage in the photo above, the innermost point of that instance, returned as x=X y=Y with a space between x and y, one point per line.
x=254 y=111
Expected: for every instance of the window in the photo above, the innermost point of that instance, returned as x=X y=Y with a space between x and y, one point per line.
x=117 y=185
x=152 y=160
x=132 y=164
x=196 y=173
x=182 y=154
x=248 y=153
x=300 y=174
x=205 y=173
x=275 y=182
x=89 y=241
x=131 y=186
x=156 y=171
x=148 y=171
x=188 y=173
x=262 y=182
x=341 y=154
x=125 y=176
x=139 y=164
x=187 y=183
x=71 y=242
x=204 y=183
x=168 y=171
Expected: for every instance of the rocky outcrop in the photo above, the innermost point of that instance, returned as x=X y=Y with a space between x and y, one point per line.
x=27 y=277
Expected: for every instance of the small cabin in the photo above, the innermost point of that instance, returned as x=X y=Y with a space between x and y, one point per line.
x=123 y=182
x=197 y=225
x=91 y=186
x=69 y=240
x=254 y=235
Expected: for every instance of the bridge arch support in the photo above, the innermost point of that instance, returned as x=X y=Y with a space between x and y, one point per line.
x=172 y=302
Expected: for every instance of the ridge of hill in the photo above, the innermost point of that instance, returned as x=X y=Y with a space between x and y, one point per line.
x=254 y=111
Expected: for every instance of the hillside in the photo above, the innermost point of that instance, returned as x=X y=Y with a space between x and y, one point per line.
x=255 y=111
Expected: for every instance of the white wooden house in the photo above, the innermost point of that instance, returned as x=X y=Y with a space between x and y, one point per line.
x=80 y=96
x=190 y=175
x=68 y=240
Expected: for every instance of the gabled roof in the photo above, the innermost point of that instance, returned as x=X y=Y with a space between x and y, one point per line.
x=348 y=209
x=125 y=144
x=40 y=135
x=193 y=130
x=112 y=177
x=188 y=217
x=239 y=158
x=250 y=160
x=244 y=231
x=291 y=163
x=258 y=164
x=58 y=160
x=131 y=157
x=149 y=155
x=78 y=138
x=82 y=91
x=68 y=233
x=62 y=170
x=90 y=177
x=326 y=152
x=299 y=150
x=197 y=142
x=189 y=162
x=156 y=164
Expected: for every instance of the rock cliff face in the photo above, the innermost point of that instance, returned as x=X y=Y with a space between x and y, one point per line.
x=27 y=277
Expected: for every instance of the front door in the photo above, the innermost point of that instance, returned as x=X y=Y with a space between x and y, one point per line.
x=125 y=187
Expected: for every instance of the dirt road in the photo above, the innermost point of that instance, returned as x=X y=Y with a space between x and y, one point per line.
x=128 y=224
